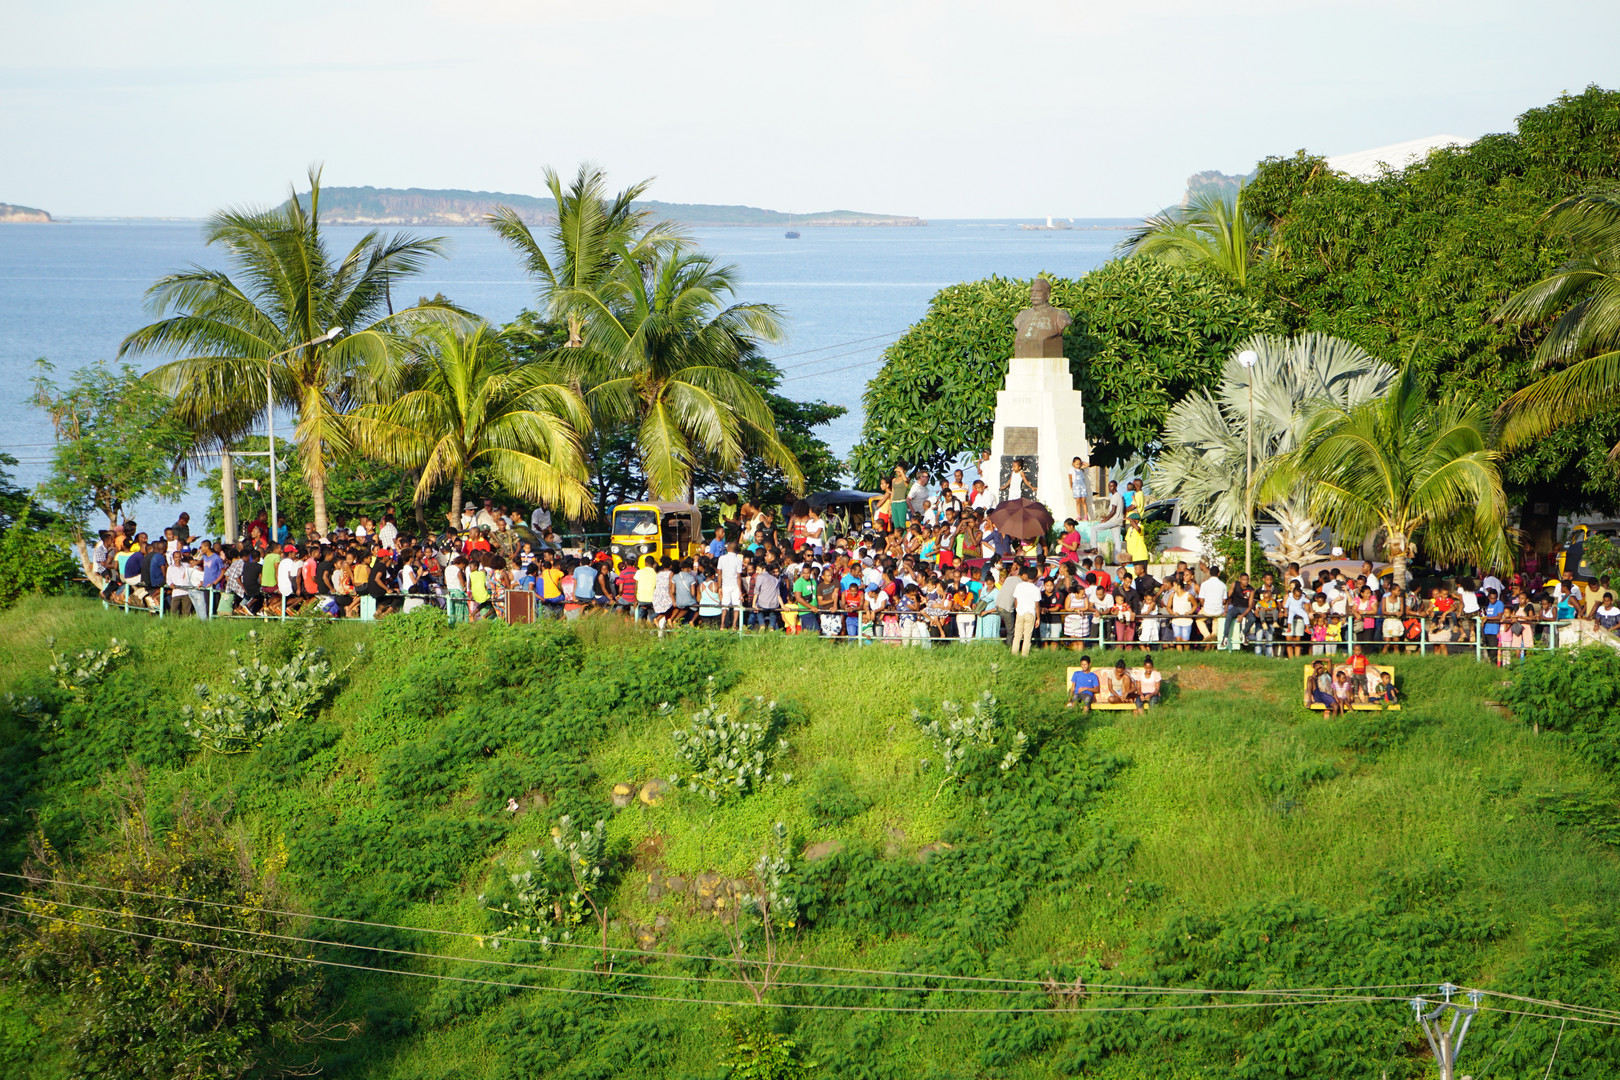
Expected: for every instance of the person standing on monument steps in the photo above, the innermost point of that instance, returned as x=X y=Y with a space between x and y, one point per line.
x=1014 y=484
x=1080 y=488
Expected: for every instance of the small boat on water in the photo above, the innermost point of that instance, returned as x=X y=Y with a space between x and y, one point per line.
x=792 y=234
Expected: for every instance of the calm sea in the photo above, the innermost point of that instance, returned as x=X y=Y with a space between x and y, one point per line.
x=71 y=292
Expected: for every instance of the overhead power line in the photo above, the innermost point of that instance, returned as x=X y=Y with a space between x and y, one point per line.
x=1056 y=1010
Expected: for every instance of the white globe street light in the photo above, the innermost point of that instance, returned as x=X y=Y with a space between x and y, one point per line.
x=1248 y=358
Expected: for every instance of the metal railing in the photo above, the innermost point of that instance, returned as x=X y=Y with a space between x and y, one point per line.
x=1234 y=635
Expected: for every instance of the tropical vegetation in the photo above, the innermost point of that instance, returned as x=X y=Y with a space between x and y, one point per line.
x=1207 y=436
x=453 y=399
x=1211 y=231
x=265 y=325
x=1447 y=841
x=1145 y=334
x=1581 y=301
x=1404 y=466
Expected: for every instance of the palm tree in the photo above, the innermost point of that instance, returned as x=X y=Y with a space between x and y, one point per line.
x=457 y=400
x=663 y=351
x=1584 y=341
x=1208 y=231
x=1407 y=467
x=1206 y=435
x=284 y=290
x=592 y=232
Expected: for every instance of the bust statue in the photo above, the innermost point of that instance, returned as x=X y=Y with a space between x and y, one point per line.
x=1040 y=326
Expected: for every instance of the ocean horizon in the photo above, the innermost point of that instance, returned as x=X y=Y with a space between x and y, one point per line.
x=72 y=290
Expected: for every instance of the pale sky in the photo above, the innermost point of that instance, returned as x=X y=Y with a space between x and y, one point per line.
x=940 y=108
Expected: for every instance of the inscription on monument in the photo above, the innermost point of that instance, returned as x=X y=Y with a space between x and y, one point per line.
x=1022 y=440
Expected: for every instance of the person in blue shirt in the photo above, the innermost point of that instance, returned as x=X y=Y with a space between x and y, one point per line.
x=717 y=546
x=1083 y=685
x=585 y=583
x=1494 y=610
x=213 y=575
x=157 y=567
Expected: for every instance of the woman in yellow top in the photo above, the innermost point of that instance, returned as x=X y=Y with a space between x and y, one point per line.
x=1135 y=537
x=477 y=588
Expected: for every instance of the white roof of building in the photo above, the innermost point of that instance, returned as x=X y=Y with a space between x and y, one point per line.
x=1367 y=164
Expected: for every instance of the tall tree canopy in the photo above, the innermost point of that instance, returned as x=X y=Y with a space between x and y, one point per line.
x=1145 y=334
x=1419 y=261
x=284 y=290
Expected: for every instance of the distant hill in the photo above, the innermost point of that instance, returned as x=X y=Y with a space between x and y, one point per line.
x=433 y=206
x=1223 y=184
x=11 y=215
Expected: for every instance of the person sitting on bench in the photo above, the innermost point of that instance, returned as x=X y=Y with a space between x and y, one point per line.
x=1322 y=688
x=1118 y=688
x=1148 y=685
x=1386 y=689
x=1084 y=685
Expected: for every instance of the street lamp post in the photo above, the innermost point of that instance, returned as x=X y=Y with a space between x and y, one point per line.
x=1248 y=358
x=270 y=415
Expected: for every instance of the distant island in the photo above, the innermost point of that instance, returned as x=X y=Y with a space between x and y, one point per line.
x=11 y=214
x=431 y=206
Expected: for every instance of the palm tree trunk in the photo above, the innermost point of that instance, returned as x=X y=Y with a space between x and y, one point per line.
x=317 y=495
x=455 y=500
x=1398 y=546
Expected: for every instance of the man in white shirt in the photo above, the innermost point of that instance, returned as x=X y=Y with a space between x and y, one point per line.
x=540 y=519
x=917 y=497
x=486 y=516
x=1212 y=602
x=287 y=571
x=388 y=533
x=730 y=566
x=1027 y=612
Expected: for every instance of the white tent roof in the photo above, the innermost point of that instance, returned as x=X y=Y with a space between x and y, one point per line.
x=1367 y=164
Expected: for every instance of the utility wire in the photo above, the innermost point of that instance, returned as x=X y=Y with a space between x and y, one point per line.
x=834 y=371
x=1100 y=990
x=824 y=348
x=707 y=1001
x=1104 y=989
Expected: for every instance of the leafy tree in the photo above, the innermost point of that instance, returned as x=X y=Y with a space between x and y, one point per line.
x=664 y=350
x=1145 y=334
x=457 y=399
x=1422 y=259
x=153 y=999
x=1206 y=439
x=115 y=441
x=591 y=234
x=360 y=487
x=1408 y=467
x=287 y=291
x=32 y=560
x=1582 y=301
x=1211 y=230
x=756 y=479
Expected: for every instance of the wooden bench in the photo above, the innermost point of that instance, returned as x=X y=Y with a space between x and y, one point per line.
x=1135 y=673
x=1373 y=670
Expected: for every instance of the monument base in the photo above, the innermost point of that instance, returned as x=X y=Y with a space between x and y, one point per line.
x=1040 y=420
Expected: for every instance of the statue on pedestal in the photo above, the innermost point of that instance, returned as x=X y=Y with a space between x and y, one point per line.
x=1040 y=326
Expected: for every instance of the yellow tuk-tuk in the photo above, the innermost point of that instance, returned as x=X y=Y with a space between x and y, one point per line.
x=667 y=530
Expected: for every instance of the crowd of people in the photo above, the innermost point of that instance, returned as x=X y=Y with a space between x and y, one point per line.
x=929 y=567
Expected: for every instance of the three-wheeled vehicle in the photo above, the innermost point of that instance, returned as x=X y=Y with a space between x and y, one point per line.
x=667 y=530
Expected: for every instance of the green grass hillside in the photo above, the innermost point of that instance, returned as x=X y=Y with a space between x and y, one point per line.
x=1228 y=841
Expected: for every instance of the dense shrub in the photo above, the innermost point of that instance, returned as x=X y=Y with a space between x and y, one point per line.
x=1574 y=691
x=149 y=1007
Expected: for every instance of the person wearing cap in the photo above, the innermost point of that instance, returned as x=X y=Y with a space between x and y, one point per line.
x=288 y=571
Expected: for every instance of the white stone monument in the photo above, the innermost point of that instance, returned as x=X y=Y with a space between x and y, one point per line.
x=1039 y=419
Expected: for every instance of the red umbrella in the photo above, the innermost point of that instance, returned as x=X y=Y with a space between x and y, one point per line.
x=1022 y=519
